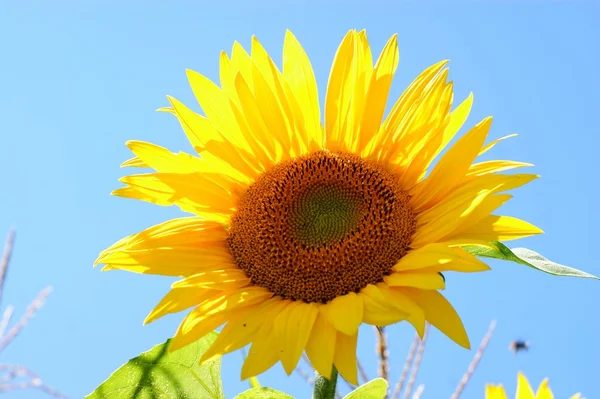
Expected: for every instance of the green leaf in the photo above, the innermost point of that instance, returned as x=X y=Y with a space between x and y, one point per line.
x=526 y=257
x=374 y=389
x=263 y=393
x=158 y=374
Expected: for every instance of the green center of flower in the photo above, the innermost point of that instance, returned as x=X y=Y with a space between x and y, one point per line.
x=321 y=226
x=324 y=214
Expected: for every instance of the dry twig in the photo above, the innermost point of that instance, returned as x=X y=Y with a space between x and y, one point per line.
x=8 y=247
x=14 y=372
x=419 y=392
x=6 y=319
x=31 y=309
x=362 y=372
x=383 y=353
x=467 y=376
x=13 y=377
x=407 y=365
x=418 y=359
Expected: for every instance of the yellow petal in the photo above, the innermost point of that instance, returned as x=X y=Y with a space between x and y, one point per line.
x=500 y=228
x=292 y=329
x=340 y=89
x=498 y=182
x=345 y=313
x=361 y=71
x=495 y=182
x=197 y=128
x=261 y=141
x=187 y=231
x=458 y=118
x=438 y=141
x=439 y=258
x=271 y=107
x=216 y=105
x=243 y=330
x=544 y=391
x=493 y=143
x=425 y=281
x=167 y=261
x=495 y=392
x=205 y=137
x=442 y=221
x=242 y=62
x=261 y=356
x=227 y=73
x=524 y=390
x=451 y=167
x=163 y=160
x=377 y=93
x=467 y=204
x=466 y=241
x=211 y=314
x=483 y=168
x=192 y=192
x=223 y=280
x=405 y=303
x=221 y=112
x=179 y=299
x=180 y=247
x=321 y=345
x=134 y=162
x=440 y=313
x=485 y=208
x=299 y=75
x=377 y=311
x=345 y=356
x=398 y=122
x=416 y=151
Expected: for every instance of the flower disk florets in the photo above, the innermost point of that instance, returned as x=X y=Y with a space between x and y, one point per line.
x=321 y=226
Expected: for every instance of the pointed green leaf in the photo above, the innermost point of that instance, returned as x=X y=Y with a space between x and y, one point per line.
x=158 y=374
x=374 y=389
x=263 y=393
x=526 y=257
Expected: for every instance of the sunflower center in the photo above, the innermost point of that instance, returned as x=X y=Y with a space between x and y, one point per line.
x=324 y=214
x=321 y=226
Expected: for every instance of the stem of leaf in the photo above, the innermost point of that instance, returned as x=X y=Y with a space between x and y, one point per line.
x=325 y=388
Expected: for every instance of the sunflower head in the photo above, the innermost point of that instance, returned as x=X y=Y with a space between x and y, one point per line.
x=302 y=228
x=524 y=390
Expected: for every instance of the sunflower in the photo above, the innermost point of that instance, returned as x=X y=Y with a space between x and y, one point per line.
x=302 y=230
x=524 y=390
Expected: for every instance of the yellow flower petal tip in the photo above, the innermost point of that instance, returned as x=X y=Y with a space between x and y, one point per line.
x=307 y=221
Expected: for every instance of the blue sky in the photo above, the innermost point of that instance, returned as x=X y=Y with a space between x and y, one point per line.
x=79 y=78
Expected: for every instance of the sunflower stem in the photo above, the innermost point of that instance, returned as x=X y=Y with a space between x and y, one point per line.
x=325 y=388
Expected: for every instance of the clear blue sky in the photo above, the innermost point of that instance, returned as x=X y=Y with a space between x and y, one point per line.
x=79 y=78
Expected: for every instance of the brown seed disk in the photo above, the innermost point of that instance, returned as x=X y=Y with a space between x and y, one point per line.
x=321 y=226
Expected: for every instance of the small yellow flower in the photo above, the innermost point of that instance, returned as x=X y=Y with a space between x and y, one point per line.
x=302 y=231
x=524 y=390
